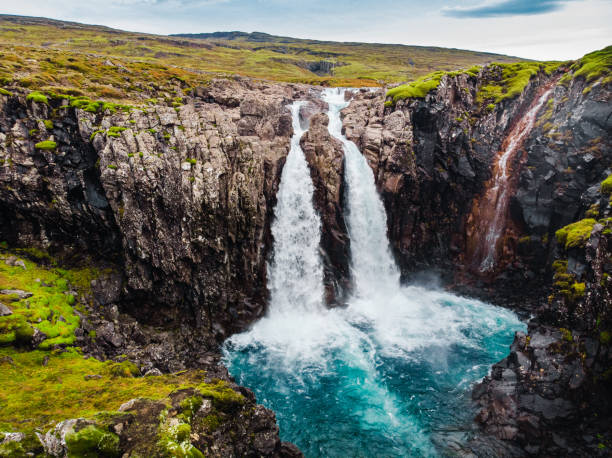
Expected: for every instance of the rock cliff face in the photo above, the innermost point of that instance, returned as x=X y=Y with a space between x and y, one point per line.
x=179 y=201
x=431 y=158
x=181 y=197
x=325 y=157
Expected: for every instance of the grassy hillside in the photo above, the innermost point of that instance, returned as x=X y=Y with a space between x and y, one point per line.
x=103 y=63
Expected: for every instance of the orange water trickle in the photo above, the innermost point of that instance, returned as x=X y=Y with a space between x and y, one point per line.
x=487 y=221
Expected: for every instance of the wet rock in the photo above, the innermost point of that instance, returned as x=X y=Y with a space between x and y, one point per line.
x=325 y=157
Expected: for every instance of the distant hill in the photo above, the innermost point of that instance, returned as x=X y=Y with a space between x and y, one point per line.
x=112 y=64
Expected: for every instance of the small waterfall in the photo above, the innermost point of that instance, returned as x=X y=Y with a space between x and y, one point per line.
x=372 y=265
x=489 y=213
x=296 y=271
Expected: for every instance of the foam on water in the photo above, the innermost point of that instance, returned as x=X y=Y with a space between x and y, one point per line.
x=382 y=376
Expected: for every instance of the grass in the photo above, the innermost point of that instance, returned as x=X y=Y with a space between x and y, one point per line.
x=46 y=145
x=101 y=63
x=41 y=387
x=592 y=67
x=417 y=89
x=512 y=81
x=33 y=395
x=425 y=84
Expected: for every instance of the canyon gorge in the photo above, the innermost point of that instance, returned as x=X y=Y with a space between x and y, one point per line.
x=284 y=230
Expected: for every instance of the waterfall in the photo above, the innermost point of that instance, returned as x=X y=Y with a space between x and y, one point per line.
x=296 y=271
x=372 y=265
x=387 y=374
x=489 y=213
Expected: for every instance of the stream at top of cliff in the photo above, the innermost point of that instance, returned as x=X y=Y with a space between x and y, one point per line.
x=391 y=373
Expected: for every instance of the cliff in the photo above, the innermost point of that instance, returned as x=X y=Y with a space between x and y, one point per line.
x=433 y=154
x=172 y=205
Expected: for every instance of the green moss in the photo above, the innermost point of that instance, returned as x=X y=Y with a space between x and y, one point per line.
x=46 y=145
x=37 y=97
x=130 y=154
x=32 y=132
x=191 y=179
x=23 y=334
x=152 y=131
x=112 y=166
x=50 y=309
x=191 y=161
x=92 y=442
x=491 y=107
x=606 y=186
x=567 y=334
x=212 y=422
x=115 y=131
x=94 y=133
x=417 y=89
x=578 y=289
x=140 y=154
x=605 y=337
x=593 y=211
x=124 y=369
x=222 y=396
x=575 y=234
x=48 y=124
x=190 y=406
x=5 y=92
x=560 y=265
x=593 y=65
x=474 y=71
x=514 y=78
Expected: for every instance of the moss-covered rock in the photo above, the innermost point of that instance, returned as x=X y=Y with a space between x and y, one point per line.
x=92 y=441
x=575 y=234
x=46 y=145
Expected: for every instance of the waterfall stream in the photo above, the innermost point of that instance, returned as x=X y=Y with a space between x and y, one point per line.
x=490 y=212
x=388 y=375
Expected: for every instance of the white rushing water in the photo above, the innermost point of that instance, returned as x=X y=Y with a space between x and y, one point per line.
x=354 y=381
x=296 y=272
x=372 y=265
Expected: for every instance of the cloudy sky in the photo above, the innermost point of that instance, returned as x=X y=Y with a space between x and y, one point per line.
x=537 y=29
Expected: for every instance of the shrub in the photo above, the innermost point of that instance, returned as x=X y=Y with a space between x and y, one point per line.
x=46 y=145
